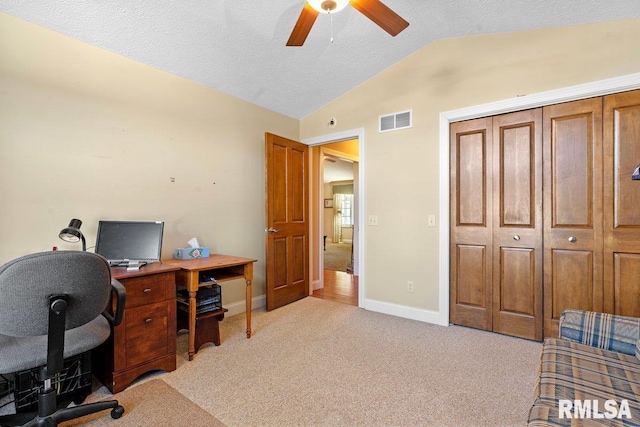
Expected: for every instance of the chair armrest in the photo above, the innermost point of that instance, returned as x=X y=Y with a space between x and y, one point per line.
x=602 y=330
x=121 y=298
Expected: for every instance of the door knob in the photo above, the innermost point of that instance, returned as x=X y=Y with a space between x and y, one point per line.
x=272 y=230
x=516 y=237
x=572 y=239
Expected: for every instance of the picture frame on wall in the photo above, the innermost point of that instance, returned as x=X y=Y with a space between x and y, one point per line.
x=328 y=203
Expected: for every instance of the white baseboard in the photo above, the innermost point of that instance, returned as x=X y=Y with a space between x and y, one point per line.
x=317 y=284
x=240 y=306
x=412 y=313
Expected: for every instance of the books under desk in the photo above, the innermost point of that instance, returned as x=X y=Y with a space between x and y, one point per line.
x=208 y=299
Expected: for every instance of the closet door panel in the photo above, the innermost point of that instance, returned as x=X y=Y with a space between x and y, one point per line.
x=622 y=201
x=572 y=281
x=471 y=274
x=471 y=241
x=573 y=240
x=517 y=224
x=626 y=274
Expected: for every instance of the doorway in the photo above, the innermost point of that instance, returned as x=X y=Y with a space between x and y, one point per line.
x=340 y=151
x=337 y=222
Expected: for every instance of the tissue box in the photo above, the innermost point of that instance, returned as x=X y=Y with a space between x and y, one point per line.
x=191 y=253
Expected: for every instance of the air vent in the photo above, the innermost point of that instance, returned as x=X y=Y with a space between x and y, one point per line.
x=395 y=121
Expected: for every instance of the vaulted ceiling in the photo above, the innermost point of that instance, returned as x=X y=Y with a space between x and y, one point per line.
x=238 y=47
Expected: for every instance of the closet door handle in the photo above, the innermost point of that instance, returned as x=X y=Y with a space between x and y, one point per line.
x=516 y=237
x=572 y=239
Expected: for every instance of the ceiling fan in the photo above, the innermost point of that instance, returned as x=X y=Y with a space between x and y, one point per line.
x=375 y=10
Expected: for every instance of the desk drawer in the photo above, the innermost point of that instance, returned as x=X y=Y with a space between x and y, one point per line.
x=148 y=332
x=149 y=289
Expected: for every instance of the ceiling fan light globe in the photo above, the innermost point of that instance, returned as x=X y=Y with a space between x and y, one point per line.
x=328 y=6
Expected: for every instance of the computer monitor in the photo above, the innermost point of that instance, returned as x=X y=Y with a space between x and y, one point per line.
x=130 y=244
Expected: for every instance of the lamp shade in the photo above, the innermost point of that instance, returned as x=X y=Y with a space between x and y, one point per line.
x=73 y=234
x=328 y=6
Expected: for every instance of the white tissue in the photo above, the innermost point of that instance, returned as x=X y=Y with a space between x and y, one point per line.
x=194 y=243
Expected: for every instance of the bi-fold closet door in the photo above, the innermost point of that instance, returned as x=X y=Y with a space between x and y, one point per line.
x=573 y=209
x=545 y=215
x=622 y=203
x=496 y=224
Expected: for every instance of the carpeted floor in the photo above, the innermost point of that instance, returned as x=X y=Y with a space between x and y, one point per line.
x=151 y=403
x=337 y=256
x=320 y=363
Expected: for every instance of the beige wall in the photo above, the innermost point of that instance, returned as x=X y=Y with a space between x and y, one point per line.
x=88 y=134
x=401 y=167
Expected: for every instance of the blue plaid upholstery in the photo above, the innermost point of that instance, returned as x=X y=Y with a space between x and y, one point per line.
x=595 y=359
x=601 y=330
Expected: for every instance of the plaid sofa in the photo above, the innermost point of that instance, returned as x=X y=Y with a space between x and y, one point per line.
x=591 y=373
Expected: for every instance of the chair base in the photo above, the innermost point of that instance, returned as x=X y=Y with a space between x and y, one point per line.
x=31 y=419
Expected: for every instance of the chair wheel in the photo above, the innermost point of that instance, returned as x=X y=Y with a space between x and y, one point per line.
x=117 y=412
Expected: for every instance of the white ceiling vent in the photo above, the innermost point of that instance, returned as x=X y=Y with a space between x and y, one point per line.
x=395 y=121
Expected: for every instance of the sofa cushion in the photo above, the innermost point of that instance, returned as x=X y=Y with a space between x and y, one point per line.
x=602 y=330
x=575 y=371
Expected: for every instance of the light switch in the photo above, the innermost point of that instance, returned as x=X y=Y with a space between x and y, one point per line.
x=431 y=220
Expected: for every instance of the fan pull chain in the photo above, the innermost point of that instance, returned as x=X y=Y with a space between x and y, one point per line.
x=331 y=20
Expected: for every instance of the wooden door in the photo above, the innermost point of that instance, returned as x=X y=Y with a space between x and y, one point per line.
x=471 y=243
x=287 y=235
x=622 y=204
x=517 y=224
x=572 y=180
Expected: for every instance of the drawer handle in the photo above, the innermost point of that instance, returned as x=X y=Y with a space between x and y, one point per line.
x=148 y=320
x=146 y=291
x=572 y=239
x=516 y=237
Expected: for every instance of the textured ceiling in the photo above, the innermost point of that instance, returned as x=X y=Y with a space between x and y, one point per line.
x=238 y=47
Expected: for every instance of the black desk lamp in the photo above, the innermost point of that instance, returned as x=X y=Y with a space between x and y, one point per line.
x=73 y=234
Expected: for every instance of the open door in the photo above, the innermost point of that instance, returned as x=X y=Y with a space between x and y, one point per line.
x=287 y=227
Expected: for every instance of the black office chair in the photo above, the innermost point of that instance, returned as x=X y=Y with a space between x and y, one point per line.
x=52 y=307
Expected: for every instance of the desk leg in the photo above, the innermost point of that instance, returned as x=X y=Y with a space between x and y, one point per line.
x=192 y=324
x=248 y=276
x=249 y=308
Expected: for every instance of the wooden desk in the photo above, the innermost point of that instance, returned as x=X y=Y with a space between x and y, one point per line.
x=146 y=339
x=223 y=268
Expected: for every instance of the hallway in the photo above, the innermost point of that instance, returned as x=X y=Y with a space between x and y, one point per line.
x=339 y=286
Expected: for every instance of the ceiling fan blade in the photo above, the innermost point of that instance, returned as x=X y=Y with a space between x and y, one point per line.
x=303 y=26
x=379 y=13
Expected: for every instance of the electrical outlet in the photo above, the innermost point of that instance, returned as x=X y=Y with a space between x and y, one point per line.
x=410 y=286
x=373 y=220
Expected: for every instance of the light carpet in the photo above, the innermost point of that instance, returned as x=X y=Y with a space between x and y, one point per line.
x=320 y=363
x=151 y=403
